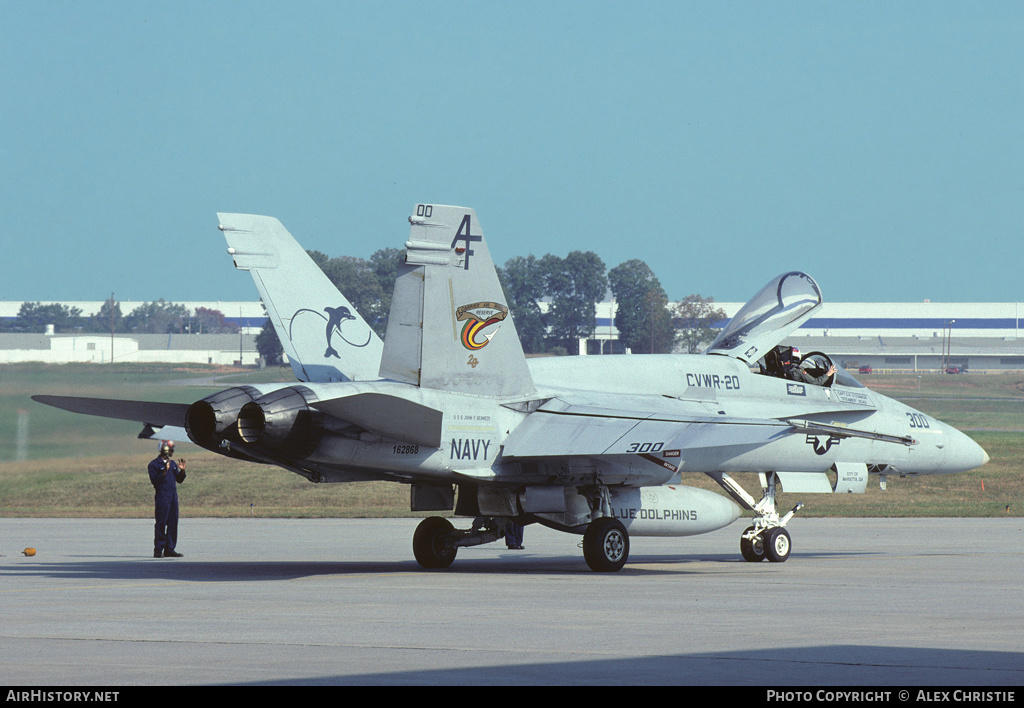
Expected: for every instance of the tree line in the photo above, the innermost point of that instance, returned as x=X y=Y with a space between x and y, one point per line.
x=157 y=317
x=571 y=287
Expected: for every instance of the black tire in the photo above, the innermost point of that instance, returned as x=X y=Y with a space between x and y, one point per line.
x=606 y=545
x=752 y=550
x=428 y=545
x=777 y=545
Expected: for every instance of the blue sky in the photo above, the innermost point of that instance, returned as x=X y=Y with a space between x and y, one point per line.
x=878 y=146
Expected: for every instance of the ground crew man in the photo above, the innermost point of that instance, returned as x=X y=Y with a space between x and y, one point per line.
x=165 y=474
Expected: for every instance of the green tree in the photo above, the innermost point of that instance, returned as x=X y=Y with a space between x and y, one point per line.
x=34 y=316
x=157 y=317
x=102 y=321
x=385 y=264
x=210 y=321
x=575 y=284
x=269 y=346
x=695 y=318
x=523 y=284
x=642 y=317
x=658 y=331
x=319 y=258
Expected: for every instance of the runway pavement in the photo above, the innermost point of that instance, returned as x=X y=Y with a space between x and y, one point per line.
x=860 y=602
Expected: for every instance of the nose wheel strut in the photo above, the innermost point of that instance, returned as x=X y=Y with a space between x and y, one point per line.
x=767 y=537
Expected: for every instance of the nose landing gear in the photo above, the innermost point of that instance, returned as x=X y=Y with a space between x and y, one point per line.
x=772 y=543
x=768 y=537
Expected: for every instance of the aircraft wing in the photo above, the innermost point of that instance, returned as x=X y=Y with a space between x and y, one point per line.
x=566 y=430
x=153 y=413
x=161 y=421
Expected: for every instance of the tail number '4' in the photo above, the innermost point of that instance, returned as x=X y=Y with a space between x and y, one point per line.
x=464 y=235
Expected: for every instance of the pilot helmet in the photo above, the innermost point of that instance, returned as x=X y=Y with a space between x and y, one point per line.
x=167 y=447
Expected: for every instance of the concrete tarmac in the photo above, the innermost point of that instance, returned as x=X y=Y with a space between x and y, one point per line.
x=882 y=602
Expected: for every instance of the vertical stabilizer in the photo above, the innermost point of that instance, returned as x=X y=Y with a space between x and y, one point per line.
x=322 y=334
x=450 y=327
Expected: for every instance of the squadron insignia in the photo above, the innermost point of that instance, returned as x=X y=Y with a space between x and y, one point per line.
x=479 y=316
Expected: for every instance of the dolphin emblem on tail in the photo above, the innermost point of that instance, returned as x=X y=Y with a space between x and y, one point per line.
x=336 y=315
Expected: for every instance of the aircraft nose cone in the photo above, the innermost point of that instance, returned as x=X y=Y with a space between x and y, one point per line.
x=967 y=454
x=979 y=455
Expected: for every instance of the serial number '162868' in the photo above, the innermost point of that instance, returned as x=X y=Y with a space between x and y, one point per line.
x=406 y=449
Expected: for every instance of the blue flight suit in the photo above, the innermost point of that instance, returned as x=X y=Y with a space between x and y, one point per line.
x=514 y=536
x=165 y=475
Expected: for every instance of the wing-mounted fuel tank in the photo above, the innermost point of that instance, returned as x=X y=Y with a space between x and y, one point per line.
x=666 y=510
x=215 y=418
x=672 y=510
x=283 y=421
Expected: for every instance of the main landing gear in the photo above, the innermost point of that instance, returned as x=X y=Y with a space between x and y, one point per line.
x=432 y=543
x=605 y=545
x=436 y=541
x=605 y=541
x=768 y=537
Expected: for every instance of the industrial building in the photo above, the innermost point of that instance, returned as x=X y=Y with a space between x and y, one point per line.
x=90 y=347
x=911 y=337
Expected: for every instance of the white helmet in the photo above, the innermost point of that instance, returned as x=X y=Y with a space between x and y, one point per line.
x=166 y=447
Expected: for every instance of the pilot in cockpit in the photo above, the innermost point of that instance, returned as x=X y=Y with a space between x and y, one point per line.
x=784 y=362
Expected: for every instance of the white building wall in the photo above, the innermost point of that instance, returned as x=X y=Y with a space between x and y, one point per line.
x=1001 y=320
x=249 y=315
x=96 y=349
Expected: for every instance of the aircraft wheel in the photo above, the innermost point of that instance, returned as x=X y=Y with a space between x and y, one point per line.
x=606 y=545
x=777 y=545
x=752 y=550
x=428 y=543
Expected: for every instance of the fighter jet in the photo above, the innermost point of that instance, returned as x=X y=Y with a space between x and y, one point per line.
x=594 y=446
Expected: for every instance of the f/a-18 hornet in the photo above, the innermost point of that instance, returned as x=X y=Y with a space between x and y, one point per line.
x=594 y=446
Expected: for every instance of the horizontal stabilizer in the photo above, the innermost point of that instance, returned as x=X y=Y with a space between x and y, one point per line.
x=154 y=413
x=162 y=432
x=390 y=416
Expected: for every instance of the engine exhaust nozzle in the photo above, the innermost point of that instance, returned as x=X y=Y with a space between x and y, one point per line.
x=282 y=421
x=213 y=419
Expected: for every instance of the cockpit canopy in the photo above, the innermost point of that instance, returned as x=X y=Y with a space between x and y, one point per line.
x=778 y=309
